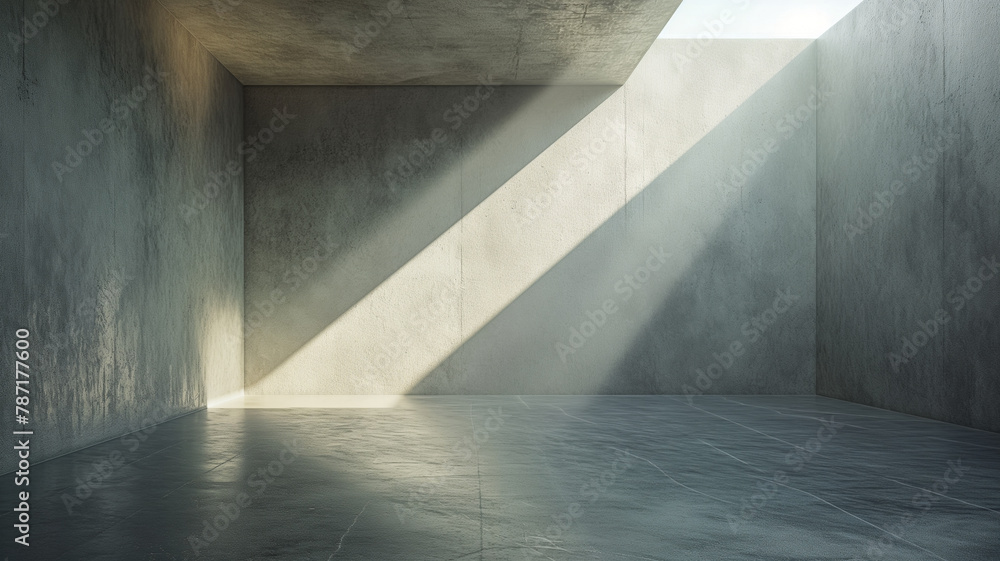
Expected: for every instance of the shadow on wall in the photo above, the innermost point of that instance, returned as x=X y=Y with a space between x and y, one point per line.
x=908 y=205
x=506 y=290
x=363 y=179
x=697 y=269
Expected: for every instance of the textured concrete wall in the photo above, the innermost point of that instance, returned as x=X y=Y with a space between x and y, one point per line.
x=425 y=42
x=12 y=304
x=375 y=268
x=114 y=120
x=908 y=210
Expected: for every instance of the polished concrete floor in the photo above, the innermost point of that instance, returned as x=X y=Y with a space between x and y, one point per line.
x=530 y=477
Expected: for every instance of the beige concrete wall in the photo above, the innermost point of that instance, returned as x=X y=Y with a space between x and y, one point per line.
x=469 y=270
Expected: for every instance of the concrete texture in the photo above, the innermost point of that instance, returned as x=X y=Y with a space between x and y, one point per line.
x=531 y=478
x=474 y=270
x=908 y=210
x=118 y=118
x=427 y=42
x=12 y=224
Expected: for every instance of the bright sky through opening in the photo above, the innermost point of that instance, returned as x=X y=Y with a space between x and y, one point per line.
x=756 y=19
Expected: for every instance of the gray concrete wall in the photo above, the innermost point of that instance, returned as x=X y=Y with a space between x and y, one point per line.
x=12 y=227
x=133 y=301
x=474 y=269
x=908 y=210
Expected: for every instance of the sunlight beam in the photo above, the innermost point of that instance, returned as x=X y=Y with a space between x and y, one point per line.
x=425 y=311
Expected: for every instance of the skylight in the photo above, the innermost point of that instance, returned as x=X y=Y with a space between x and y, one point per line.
x=756 y=19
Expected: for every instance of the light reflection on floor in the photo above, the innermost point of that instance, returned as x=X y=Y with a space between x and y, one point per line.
x=529 y=477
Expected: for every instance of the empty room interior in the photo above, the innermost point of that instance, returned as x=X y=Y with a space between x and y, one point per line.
x=500 y=280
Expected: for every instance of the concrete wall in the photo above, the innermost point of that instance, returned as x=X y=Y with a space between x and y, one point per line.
x=133 y=302
x=375 y=268
x=908 y=210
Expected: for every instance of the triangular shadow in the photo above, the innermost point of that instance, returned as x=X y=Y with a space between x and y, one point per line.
x=730 y=251
x=331 y=185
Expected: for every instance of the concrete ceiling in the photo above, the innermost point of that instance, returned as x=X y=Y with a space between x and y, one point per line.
x=425 y=42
